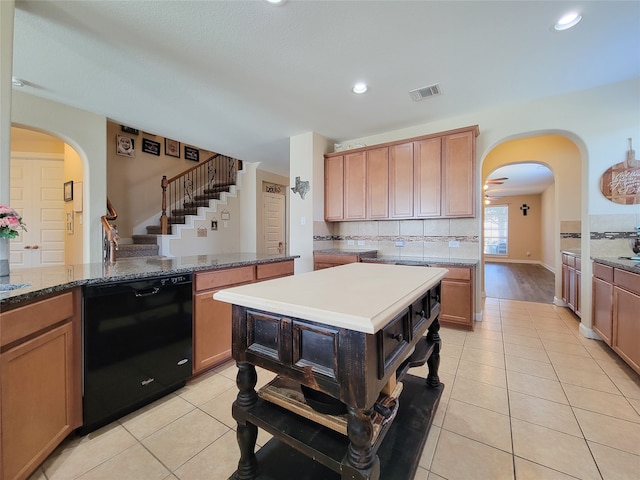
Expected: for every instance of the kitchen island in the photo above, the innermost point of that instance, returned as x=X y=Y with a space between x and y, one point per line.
x=350 y=334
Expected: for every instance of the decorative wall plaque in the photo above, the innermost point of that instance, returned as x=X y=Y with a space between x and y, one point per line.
x=621 y=182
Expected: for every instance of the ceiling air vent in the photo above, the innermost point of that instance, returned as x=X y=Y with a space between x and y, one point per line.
x=424 y=92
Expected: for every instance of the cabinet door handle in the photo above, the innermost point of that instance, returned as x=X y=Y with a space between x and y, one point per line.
x=27 y=247
x=36 y=247
x=148 y=293
x=420 y=313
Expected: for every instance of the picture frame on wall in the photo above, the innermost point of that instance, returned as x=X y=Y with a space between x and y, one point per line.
x=125 y=146
x=191 y=153
x=68 y=191
x=132 y=131
x=150 y=147
x=171 y=148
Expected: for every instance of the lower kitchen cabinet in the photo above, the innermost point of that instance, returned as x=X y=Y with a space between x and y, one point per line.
x=571 y=276
x=602 y=298
x=457 y=297
x=616 y=303
x=327 y=260
x=212 y=319
x=41 y=398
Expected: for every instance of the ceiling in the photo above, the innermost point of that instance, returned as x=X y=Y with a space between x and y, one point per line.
x=527 y=178
x=242 y=77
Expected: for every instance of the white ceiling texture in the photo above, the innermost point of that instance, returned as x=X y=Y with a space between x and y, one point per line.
x=242 y=77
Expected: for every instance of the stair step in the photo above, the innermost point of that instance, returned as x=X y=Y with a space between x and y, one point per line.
x=177 y=219
x=156 y=229
x=181 y=212
x=218 y=188
x=197 y=203
x=207 y=197
x=128 y=250
x=148 y=239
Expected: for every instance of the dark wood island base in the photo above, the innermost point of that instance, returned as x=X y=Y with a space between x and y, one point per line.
x=364 y=368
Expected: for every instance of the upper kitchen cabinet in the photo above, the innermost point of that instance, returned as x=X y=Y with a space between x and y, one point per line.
x=378 y=183
x=334 y=188
x=458 y=174
x=401 y=180
x=425 y=177
x=355 y=186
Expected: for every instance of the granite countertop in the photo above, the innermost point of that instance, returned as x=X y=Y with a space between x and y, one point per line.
x=574 y=252
x=621 y=263
x=345 y=251
x=423 y=261
x=353 y=297
x=44 y=280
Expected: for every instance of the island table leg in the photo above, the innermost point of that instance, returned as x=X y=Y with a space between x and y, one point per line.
x=362 y=463
x=433 y=362
x=247 y=433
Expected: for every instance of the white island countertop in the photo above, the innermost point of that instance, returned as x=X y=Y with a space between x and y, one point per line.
x=357 y=296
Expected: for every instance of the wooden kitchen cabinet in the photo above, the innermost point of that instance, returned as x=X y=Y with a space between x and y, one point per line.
x=602 y=299
x=427 y=170
x=401 y=181
x=212 y=319
x=458 y=175
x=428 y=177
x=457 y=297
x=41 y=396
x=334 y=188
x=616 y=303
x=355 y=186
x=626 y=320
x=378 y=183
x=571 y=277
x=327 y=260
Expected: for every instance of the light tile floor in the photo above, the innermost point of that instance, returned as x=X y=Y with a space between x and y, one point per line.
x=526 y=397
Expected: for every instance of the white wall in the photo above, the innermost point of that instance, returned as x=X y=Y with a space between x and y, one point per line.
x=548 y=232
x=85 y=133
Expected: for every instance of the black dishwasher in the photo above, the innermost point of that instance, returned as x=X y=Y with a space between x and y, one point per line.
x=136 y=345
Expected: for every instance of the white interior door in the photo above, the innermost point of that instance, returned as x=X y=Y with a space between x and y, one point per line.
x=37 y=194
x=273 y=223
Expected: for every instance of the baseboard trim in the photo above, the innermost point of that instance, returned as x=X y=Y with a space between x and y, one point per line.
x=558 y=302
x=588 y=333
x=510 y=260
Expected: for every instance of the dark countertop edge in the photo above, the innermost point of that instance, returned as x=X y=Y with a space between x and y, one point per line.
x=20 y=297
x=426 y=261
x=628 y=265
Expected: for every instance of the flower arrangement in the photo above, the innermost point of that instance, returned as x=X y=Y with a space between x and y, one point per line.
x=10 y=222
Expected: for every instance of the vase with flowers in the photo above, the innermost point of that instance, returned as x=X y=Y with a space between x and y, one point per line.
x=10 y=226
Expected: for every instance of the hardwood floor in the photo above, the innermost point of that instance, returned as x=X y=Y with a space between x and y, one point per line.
x=519 y=281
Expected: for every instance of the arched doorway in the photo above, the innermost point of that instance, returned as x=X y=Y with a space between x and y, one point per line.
x=41 y=165
x=562 y=203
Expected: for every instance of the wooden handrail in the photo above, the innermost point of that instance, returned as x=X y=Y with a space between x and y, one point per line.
x=110 y=231
x=181 y=191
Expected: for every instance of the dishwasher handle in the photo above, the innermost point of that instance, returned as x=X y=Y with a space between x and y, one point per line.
x=148 y=293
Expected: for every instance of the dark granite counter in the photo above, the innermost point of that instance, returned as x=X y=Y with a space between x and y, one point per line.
x=575 y=253
x=46 y=280
x=425 y=261
x=621 y=263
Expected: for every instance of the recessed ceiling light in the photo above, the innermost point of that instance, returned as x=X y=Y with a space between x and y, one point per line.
x=567 y=21
x=360 y=87
x=276 y=2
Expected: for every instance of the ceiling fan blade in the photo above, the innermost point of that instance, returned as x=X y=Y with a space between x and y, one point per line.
x=496 y=181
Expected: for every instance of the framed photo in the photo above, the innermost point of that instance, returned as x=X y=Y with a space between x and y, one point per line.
x=68 y=191
x=171 y=148
x=151 y=147
x=132 y=131
x=191 y=153
x=125 y=146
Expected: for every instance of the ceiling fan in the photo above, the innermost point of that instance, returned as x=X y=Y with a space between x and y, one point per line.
x=496 y=181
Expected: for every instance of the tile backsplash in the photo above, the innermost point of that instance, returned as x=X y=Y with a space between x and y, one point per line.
x=610 y=235
x=429 y=238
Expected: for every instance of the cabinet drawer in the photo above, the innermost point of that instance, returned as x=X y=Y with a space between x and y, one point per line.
x=24 y=321
x=627 y=280
x=224 y=278
x=271 y=270
x=336 y=259
x=393 y=340
x=603 y=272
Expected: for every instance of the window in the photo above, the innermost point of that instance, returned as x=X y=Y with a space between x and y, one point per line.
x=496 y=229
